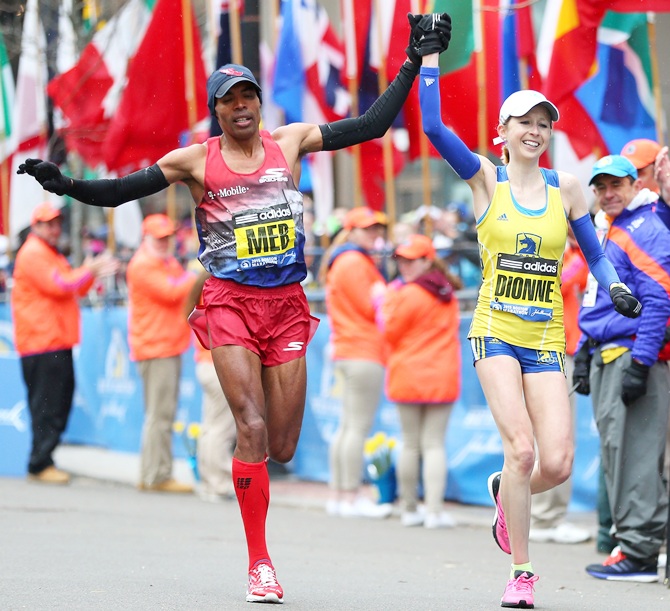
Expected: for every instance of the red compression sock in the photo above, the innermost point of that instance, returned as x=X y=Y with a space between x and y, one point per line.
x=252 y=487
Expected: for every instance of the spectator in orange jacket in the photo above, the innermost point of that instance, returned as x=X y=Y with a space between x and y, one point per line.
x=158 y=286
x=420 y=321
x=358 y=352
x=45 y=312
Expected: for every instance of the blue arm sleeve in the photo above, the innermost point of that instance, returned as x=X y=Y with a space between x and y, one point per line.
x=464 y=162
x=600 y=267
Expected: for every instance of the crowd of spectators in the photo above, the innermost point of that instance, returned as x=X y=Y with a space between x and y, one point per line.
x=451 y=228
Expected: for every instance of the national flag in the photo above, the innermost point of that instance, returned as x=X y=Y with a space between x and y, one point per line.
x=66 y=54
x=6 y=106
x=165 y=94
x=518 y=65
x=356 y=16
x=88 y=94
x=460 y=89
x=617 y=99
x=310 y=59
x=273 y=116
x=385 y=51
x=224 y=48
x=307 y=83
x=29 y=120
x=568 y=48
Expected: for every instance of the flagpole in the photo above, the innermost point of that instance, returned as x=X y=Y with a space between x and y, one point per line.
x=655 y=78
x=387 y=143
x=352 y=80
x=235 y=33
x=4 y=177
x=481 y=78
x=191 y=111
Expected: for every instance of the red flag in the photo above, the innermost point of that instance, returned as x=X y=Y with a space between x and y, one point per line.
x=373 y=182
x=88 y=93
x=459 y=93
x=153 y=116
x=387 y=37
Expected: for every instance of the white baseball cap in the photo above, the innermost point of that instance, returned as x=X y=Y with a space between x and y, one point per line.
x=520 y=103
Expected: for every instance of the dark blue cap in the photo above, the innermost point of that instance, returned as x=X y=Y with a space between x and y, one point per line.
x=221 y=80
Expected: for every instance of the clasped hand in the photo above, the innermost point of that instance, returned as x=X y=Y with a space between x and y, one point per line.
x=429 y=34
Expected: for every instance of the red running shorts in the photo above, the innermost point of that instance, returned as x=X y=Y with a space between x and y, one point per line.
x=274 y=323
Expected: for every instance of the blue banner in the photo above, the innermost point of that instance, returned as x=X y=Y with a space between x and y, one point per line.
x=108 y=411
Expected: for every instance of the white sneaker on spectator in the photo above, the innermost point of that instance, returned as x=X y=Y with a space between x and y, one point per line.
x=412 y=518
x=566 y=533
x=662 y=560
x=363 y=507
x=333 y=507
x=439 y=520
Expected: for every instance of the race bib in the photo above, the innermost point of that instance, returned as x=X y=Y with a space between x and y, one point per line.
x=265 y=237
x=524 y=286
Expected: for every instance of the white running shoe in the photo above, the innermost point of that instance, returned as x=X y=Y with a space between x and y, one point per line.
x=363 y=507
x=412 y=518
x=333 y=507
x=439 y=520
x=566 y=533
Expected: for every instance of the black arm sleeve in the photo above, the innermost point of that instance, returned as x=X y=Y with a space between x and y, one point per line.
x=376 y=119
x=112 y=192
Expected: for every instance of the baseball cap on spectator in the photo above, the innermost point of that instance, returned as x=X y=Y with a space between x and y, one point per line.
x=641 y=152
x=614 y=165
x=363 y=217
x=520 y=103
x=158 y=226
x=221 y=80
x=44 y=213
x=416 y=246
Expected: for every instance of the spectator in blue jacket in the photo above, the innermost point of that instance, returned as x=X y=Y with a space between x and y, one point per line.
x=629 y=385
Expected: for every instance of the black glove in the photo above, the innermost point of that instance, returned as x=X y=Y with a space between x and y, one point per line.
x=412 y=50
x=580 y=375
x=624 y=301
x=430 y=25
x=634 y=383
x=47 y=174
x=420 y=26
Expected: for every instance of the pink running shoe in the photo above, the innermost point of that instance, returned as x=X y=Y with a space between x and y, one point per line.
x=519 y=591
x=499 y=525
x=263 y=585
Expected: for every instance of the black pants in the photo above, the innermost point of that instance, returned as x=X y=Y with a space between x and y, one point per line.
x=50 y=381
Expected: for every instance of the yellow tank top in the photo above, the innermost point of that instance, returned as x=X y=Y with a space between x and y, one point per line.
x=521 y=254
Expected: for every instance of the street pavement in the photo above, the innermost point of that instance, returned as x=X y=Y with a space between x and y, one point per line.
x=100 y=544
